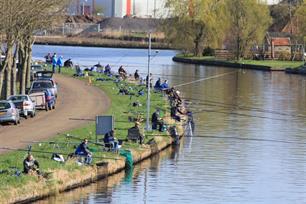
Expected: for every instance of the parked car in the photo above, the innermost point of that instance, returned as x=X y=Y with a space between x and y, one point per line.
x=34 y=69
x=8 y=112
x=43 y=99
x=42 y=85
x=48 y=76
x=25 y=105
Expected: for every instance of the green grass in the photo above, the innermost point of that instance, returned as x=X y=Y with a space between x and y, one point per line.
x=121 y=109
x=275 y=64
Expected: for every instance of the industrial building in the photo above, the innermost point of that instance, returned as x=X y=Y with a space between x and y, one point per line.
x=119 y=8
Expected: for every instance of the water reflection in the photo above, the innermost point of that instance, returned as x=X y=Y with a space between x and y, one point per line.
x=252 y=147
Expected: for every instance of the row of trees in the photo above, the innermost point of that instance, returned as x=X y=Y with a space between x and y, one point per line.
x=239 y=24
x=19 y=19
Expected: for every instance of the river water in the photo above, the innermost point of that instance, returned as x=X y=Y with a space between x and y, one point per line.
x=249 y=145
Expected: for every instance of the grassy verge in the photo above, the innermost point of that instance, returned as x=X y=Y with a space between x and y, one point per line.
x=274 y=64
x=121 y=109
x=98 y=42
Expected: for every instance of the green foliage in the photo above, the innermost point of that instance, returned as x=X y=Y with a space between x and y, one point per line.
x=208 y=51
x=301 y=15
x=196 y=24
x=121 y=109
x=249 y=21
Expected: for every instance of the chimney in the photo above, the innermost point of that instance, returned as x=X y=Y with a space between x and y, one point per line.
x=93 y=11
x=128 y=7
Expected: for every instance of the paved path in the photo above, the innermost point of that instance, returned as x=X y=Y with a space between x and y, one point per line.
x=76 y=99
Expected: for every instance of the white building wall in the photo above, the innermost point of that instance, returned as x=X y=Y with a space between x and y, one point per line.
x=120 y=8
x=150 y=8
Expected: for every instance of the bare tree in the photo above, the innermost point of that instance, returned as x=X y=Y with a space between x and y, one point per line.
x=19 y=19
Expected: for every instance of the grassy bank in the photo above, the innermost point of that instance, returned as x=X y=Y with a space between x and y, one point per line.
x=97 y=42
x=14 y=187
x=274 y=65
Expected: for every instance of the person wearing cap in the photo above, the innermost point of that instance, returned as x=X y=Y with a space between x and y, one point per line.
x=30 y=165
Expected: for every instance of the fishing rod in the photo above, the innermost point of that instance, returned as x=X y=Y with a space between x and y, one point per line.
x=204 y=79
x=46 y=152
x=238 y=114
x=244 y=139
x=81 y=139
x=213 y=103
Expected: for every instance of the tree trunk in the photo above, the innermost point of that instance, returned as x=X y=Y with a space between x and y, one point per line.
x=8 y=67
x=23 y=67
x=28 y=62
x=197 y=41
x=14 y=72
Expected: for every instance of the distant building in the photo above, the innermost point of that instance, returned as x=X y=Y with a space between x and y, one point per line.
x=277 y=45
x=119 y=8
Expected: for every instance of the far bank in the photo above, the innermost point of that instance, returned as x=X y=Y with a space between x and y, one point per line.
x=263 y=65
x=99 y=42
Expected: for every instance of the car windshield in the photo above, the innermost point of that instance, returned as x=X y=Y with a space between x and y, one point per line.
x=47 y=75
x=36 y=67
x=42 y=84
x=18 y=98
x=4 y=105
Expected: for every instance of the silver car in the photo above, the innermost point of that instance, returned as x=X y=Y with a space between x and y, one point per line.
x=25 y=105
x=8 y=112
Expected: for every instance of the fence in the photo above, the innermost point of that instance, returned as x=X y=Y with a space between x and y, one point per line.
x=69 y=29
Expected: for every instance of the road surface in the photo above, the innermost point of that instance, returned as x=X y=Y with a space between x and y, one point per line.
x=76 y=100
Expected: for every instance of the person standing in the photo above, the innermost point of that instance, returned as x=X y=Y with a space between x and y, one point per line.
x=136 y=75
x=54 y=62
x=59 y=63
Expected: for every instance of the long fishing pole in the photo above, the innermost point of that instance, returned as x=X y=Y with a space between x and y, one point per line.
x=239 y=114
x=206 y=102
x=237 y=108
x=204 y=79
x=46 y=152
x=81 y=139
x=247 y=139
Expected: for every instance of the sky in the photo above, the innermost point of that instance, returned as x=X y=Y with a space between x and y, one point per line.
x=273 y=1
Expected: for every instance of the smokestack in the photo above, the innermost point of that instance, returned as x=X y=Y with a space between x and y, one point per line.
x=78 y=3
x=128 y=7
x=93 y=11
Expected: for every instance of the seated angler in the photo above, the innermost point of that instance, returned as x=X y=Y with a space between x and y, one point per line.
x=68 y=63
x=82 y=150
x=122 y=73
x=156 y=120
x=157 y=85
x=165 y=85
x=110 y=140
x=135 y=134
x=30 y=165
x=107 y=69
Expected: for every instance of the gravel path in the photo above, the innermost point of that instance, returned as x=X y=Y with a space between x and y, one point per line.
x=76 y=100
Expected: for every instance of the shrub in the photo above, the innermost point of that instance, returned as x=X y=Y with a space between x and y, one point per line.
x=208 y=51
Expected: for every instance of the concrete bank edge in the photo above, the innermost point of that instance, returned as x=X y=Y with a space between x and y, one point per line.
x=224 y=64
